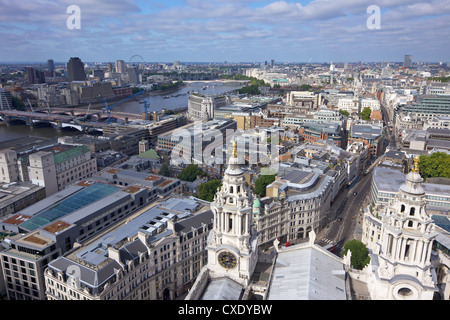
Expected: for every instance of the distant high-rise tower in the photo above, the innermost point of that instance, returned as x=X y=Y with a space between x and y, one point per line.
x=407 y=62
x=133 y=75
x=75 y=70
x=5 y=99
x=50 y=65
x=35 y=76
x=272 y=62
x=120 y=66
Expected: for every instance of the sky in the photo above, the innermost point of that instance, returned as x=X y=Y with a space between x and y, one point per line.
x=225 y=30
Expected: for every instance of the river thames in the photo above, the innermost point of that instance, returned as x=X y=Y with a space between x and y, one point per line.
x=174 y=100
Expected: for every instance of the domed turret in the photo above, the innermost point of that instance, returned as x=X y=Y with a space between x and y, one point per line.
x=413 y=183
x=256 y=202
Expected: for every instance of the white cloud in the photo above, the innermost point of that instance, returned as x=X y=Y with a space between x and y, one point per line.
x=258 y=27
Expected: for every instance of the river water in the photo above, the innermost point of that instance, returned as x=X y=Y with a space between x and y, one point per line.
x=174 y=100
x=178 y=99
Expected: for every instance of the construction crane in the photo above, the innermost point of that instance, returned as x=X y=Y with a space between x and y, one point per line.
x=108 y=109
x=29 y=104
x=145 y=109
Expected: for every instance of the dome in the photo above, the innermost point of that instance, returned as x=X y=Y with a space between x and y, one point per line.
x=256 y=203
x=234 y=168
x=413 y=183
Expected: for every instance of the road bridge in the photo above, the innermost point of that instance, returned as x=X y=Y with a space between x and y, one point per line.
x=76 y=119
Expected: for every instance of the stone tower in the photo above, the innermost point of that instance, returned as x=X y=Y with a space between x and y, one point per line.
x=402 y=268
x=232 y=246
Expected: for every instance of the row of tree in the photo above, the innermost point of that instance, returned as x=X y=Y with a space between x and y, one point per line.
x=435 y=165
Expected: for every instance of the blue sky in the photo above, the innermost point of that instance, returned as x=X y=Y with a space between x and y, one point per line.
x=225 y=30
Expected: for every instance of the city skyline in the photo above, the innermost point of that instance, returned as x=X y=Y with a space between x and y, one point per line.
x=233 y=30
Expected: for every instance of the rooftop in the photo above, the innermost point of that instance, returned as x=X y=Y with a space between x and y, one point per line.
x=56 y=227
x=74 y=202
x=306 y=272
x=152 y=222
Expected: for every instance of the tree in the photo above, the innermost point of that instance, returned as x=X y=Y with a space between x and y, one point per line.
x=190 y=173
x=305 y=87
x=435 y=165
x=262 y=182
x=344 y=112
x=18 y=104
x=365 y=114
x=206 y=191
x=360 y=254
x=251 y=90
x=164 y=171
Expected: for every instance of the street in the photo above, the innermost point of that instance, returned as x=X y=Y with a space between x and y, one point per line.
x=347 y=210
x=345 y=214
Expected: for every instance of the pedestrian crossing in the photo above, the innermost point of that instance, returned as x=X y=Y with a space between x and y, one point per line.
x=330 y=244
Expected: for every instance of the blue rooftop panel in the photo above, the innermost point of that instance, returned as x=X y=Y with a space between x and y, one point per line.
x=75 y=202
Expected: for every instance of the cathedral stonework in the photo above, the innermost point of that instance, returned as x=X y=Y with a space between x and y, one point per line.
x=232 y=245
x=401 y=259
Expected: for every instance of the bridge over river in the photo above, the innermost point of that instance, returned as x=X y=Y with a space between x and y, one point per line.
x=63 y=118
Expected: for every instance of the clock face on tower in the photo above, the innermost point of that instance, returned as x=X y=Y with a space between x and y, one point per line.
x=227 y=259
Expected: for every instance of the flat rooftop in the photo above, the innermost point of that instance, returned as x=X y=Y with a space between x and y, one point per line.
x=150 y=222
x=307 y=273
x=74 y=202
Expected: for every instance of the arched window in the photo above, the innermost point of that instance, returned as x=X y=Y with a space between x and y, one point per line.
x=300 y=233
x=412 y=211
x=402 y=208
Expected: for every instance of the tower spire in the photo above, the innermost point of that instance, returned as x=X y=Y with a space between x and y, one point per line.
x=415 y=168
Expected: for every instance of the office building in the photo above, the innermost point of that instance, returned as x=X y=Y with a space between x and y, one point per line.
x=50 y=66
x=75 y=70
x=387 y=181
x=120 y=66
x=88 y=91
x=51 y=227
x=17 y=196
x=5 y=99
x=189 y=142
x=407 y=61
x=427 y=140
x=314 y=131
x=35 y=76
x=159 y=186
x=56 y=168
x=202 y=107
x=157 y=255
x=8 y=166
x=372 y=104
x=133 y=75
x=303 y=99
x=372 y=135
x=426 y=107
x=295 y=204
